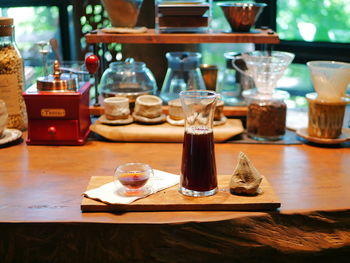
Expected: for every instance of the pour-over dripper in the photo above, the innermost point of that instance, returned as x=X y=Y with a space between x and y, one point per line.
x=122 y=13
x=330 y=79
x=266 y=68
x=327 y=105
x=266 y=116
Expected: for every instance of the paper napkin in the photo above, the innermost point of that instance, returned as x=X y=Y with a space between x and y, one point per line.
x=108 y=193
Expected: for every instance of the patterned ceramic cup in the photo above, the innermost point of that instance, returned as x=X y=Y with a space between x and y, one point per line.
x=148 y=106
x=116 y=108
x=325 y=117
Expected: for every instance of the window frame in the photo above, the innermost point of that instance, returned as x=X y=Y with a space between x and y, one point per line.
x=304 y=51
x=62 y=6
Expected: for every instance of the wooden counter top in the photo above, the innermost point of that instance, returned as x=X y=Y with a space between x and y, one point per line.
x=43 y=184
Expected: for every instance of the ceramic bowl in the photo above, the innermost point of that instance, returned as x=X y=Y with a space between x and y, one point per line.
x=242 y=16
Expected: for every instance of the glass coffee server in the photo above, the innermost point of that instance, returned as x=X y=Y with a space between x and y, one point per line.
x=198 y=167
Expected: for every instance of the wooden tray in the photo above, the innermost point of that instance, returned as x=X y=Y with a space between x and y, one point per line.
x=229 y=111
x=171 y=200
x=161 y=132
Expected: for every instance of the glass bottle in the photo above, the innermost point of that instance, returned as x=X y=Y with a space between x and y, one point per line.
x=183 y=74
x=11 y=76
x=198 y=168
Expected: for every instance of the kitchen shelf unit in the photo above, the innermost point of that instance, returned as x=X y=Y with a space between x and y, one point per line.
x=260 y=36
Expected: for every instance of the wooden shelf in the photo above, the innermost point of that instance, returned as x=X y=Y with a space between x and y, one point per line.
x=151 y=37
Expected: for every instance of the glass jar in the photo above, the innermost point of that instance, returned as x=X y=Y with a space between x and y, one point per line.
x=266 y=116
x=233 y=83
x=11 y=76
x=183 y=74
x=128 y=79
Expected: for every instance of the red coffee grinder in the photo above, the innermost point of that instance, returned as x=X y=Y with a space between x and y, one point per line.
x=58 y=107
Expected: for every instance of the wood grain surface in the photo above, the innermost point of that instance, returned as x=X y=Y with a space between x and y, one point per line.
x=161 y=132
x=171 y=200
x=41 y=220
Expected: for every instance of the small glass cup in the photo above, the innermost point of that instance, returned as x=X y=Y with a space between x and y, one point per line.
x=133 y=177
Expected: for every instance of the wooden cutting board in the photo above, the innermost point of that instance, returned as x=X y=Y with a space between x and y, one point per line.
x=162 y=132
x=171 y=200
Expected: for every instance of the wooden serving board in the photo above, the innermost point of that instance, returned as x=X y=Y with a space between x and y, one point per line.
x=162 y=132
x=229 y=111
x=171 y=200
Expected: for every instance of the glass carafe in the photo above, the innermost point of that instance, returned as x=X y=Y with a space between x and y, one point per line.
x=183 y=74
x=198 y=168
x=127 y=79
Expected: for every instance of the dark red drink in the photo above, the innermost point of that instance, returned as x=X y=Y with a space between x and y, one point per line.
x=198 y=169
x=133 y=180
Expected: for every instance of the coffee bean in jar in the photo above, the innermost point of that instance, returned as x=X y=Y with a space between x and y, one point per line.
x=266 y=119
x=11 y=76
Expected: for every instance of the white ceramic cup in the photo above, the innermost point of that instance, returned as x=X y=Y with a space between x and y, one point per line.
x=116 y=108
x=3 y=117
x=148 y=106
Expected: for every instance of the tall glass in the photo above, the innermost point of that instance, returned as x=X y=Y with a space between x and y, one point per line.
x=198 y=168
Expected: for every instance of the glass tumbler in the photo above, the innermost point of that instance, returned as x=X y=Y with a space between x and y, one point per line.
x=133 y=178
x=198 y=168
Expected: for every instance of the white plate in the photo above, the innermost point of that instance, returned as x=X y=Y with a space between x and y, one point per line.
x=10 y=135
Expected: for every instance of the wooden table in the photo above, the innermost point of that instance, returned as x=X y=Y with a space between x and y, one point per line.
x=41 y=221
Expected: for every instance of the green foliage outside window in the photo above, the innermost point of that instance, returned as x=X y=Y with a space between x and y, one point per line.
x=314 y=20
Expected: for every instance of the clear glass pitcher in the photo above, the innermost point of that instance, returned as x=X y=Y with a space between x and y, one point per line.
x=198 y=168
x=183 y=74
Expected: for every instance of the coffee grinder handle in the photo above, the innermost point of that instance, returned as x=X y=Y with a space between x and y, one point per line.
x=92 y=63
